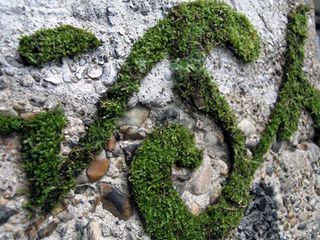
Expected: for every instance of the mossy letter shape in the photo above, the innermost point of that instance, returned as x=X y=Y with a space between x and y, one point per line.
x=164 y=213
x=48 y=45
x=185 y=36
x=41 y=139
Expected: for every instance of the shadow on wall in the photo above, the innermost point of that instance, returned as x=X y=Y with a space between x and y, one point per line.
x=260 y=220
x=317 y=14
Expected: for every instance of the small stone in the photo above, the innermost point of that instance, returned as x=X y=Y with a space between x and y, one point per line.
x=117 y=135
x=132 y=133
x=180 y=187
x=109 y=74
x=134 y=117
x=82 y=178
x=168 y=75
x=66 y=217
x=37 y=101
x=53 y=79
x=198 y=101
x=180 y=174
x=293 y=222
x=6 y=213
x=195 y=209
x=48 y=230
x=302 y=226
x=276 y=146
x=28 y=115
x=3 y=84
x=8 y=112
x=33 y=227
x=223 y=167
x=59 y=207
x=144 y=10
x=214 y=196
x=27 y=81
x=97 y=169
x=129 y=152
x=116 y=202
x=247 y=127
x=19 y=106
x=66 y=77
x=3 y=201
x=111 y=143
x=303 y=146
x=269 y=170
x=171 y=114
x=94 y=231
x=261 y=204
x=304 y=216
x=201 y=185
x=95 y=72
x=82 y=62
x=100 y=88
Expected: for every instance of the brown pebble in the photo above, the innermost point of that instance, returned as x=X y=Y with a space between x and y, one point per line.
x=111 y=144
x=303 y=146
x=97 y=169
x=28 y=115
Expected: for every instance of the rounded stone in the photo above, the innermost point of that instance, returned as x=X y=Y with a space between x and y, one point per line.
x=201 y=185
x=97 y=169
x=95 y=72
x=134 y=117
x=94 y=231
x=247 y=127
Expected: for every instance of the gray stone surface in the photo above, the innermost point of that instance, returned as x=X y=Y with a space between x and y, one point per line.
x=292 y=168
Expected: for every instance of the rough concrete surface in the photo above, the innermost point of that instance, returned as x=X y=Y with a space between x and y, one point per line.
x=286 y=188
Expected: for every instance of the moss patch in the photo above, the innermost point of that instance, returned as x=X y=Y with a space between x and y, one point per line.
x=10 y=124
x=47 y=45
x=165 y=213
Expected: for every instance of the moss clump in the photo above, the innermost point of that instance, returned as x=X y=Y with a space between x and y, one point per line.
x=47 y=45
x=41 y=139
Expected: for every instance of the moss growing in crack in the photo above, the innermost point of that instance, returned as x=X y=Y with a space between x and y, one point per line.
x=47 y=45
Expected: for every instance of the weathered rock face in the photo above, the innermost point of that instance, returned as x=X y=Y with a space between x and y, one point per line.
x=291 y=170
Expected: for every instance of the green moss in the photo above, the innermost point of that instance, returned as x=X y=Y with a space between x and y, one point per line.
x=47 y=45
x=9 y=124
x=164 y=212
x=185 y=36
x=296 y=93
x=41 y=141
x=41 y=138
